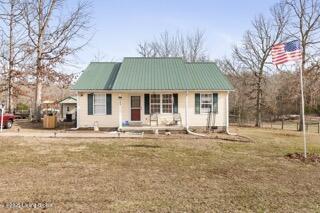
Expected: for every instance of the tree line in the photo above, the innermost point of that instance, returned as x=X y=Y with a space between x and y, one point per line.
x=269 y=90
x=37 y=36
x=262 y=90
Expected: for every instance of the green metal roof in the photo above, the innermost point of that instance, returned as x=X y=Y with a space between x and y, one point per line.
x=153 y=74
x=98 y=76
x=207 y=76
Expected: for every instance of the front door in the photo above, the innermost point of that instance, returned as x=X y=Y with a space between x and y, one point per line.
x=135 y=108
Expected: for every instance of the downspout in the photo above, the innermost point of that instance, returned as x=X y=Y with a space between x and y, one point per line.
x=187 y=117
x=120 y=113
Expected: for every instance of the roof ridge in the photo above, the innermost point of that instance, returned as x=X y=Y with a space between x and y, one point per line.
x=202 y=62
x=105 y=62
x=153 y=58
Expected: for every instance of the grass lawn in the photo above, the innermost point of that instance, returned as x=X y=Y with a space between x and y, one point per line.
x=166 y=174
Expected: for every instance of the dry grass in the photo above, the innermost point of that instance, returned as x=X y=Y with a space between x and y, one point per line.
x=120 y=175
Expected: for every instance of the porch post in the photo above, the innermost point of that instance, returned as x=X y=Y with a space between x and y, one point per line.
x=120 y=111
x=186 y=110
x=227 y=113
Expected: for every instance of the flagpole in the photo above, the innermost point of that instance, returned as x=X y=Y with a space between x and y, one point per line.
x=302 y=111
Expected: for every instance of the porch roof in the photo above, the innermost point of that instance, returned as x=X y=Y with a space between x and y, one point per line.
x=69 y=100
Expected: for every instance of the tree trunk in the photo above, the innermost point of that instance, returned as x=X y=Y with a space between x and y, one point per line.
x=9 y=100
x=37 y=101
x=11 y=59
x=38 y=84
x=258 y=100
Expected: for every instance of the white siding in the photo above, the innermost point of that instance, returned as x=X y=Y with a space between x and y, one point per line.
x=86 y=120
x=201 y=119
x=195 y=120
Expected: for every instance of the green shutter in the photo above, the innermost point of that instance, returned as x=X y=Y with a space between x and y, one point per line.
x=146 y=104
x=90 y=104
x=109 y=104
x=175 y=103
x=215 y=102
x=197 y=103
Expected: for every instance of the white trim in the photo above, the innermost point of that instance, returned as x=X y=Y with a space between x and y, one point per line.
x=78 y=110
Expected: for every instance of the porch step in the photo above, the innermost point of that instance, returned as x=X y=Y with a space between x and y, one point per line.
x=135 y=123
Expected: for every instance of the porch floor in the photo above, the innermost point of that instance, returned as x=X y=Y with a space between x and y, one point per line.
x=151 y=128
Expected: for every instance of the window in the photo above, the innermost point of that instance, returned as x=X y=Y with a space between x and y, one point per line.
x=161 y=103
x=206 y=103
x=135 y=102
x=167 y=103
x=68 y=109
x=155 y=103
x=99 y=104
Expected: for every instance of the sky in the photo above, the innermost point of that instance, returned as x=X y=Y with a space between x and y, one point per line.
x=118 y=25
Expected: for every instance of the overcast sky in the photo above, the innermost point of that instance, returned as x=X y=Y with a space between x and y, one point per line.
x=118 y=25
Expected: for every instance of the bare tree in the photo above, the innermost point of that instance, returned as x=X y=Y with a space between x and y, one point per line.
x=256 y=48
x=12 y=51
x=241 y=78
x=145 y=49
x=305 y=26
x=195 y=45
x=99 y=56
x=191 y=47
x=52 y=35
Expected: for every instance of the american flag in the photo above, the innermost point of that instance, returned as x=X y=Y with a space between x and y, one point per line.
x=282 y=53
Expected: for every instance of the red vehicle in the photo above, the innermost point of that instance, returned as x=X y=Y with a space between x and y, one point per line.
x=8 y=120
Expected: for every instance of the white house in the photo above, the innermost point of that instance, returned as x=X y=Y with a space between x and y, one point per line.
x=154 y=93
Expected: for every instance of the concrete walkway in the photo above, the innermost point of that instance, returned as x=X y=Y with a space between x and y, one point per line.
x=71 y=134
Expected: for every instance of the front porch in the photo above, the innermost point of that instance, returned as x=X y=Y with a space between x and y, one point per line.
x=149 y=112
x=155 y=122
